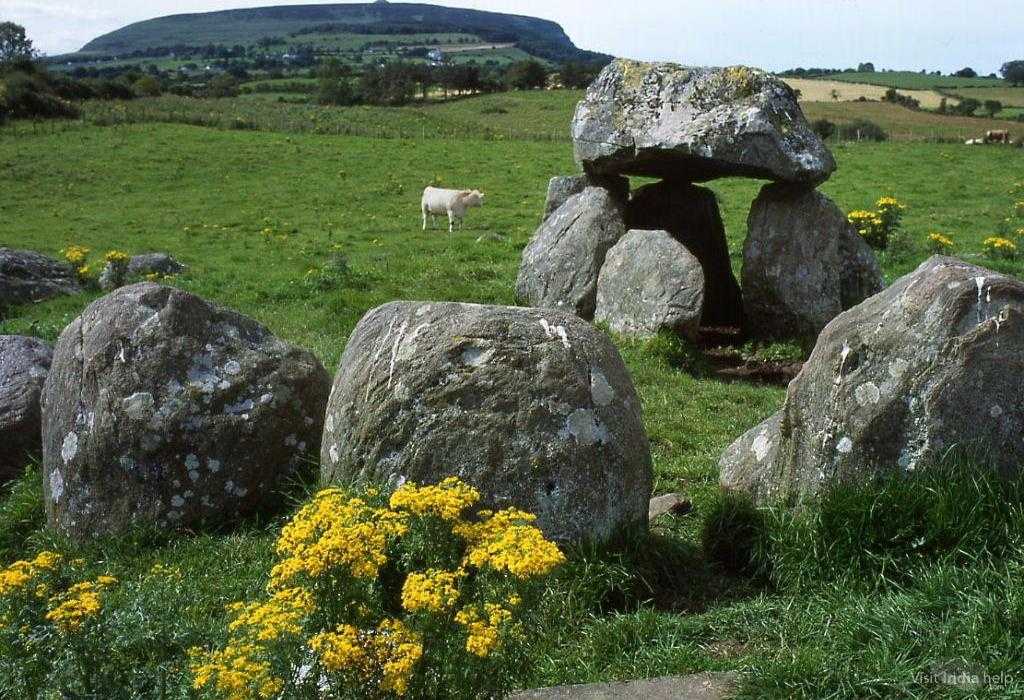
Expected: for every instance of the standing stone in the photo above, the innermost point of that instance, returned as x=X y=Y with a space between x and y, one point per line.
x=650 y=282
x=153 y=263
x=803 y=263
x=932 y=363
x=669 y=121
x=164 y=409
x=24 y=363
x=690 y=213
x=533 y=407
x=561 y=187
x=560 y=265
x=27 y=276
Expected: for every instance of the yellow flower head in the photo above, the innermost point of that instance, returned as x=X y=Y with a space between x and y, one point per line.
x=116 y=256
x=506 y=541
x=278 y=617
x=446 y=500
x=390 y=653
x=236 y=673
x=70 y=611
x=75 y=254
x=483 y=627
x=432 y=591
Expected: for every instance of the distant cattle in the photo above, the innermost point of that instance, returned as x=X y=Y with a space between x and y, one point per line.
x=454 y=203
x=974 y=142
x=1000 y=136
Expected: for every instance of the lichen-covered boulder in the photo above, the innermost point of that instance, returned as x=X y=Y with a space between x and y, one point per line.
x=690 y=213
x=650 y=282
x=163 y=409
x=933 y=363
x=803 y=263
x=533 y=407
x=153 y=263
x=24 y=364
x=670 y=121
x=561 y=187
x=27 y=276
x=560 y=265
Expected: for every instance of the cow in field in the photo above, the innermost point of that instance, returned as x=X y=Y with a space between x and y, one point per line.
x=454 y=203
x=1000 y=136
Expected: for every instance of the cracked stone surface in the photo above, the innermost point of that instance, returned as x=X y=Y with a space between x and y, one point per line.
x=534 y=407
x=685 y=123
x=561 y=187
x=24 y=364
x=164 y=409
x=933 y=363
x=560 y=265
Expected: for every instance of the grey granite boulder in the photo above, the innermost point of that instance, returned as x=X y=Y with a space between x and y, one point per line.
x=24 y=364
x=534 y=407
x=27 y=276
x=933 y=363
x=690 y=213
x=153 y=263
x=164 y=409
x=561 y=187
x=650 y=282
x=803 y=263
x=560 y=264
x=669 y=121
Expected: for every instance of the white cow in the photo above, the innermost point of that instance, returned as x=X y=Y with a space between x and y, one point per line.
x=454 y=203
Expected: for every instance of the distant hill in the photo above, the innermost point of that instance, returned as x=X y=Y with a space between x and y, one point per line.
x=295 y=23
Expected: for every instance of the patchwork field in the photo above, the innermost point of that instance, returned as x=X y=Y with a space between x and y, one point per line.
x=822 y=91
x=906 y=80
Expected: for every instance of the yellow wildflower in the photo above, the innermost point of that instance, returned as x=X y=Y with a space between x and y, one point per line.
x=116 y=256
x=1000 y=247
x=340 y=650
x=83 y=601
x=483 y=627
x=939 y=243
x=236 y=673
x=75 y=254
x=280 y=616
x=389 y=653
x=506 y=541
x=432 y=591
x=446 y=500
x=18 y=576
x=334 y=532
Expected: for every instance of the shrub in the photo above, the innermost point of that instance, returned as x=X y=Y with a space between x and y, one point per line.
x=406 y=596
x=863 y=130
x=27 y=95
x=939 y=244
x=823 y=128
x=997 y=247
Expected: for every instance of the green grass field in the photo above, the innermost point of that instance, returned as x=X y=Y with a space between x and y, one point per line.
x=908 y=80
x=847 y=608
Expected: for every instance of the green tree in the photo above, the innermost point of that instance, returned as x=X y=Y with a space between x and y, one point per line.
x=526 y=75
x=147 y=86
x=334 y=86
x=993 y=107
x=1013 y=71
x=966 y=73
x=15 y=46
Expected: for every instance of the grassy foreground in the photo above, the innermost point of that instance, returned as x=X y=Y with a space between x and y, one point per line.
x=871 y=594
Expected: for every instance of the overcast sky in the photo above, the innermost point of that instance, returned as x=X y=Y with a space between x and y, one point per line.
x=774 y=34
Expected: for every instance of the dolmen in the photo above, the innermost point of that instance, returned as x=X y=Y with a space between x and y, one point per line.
x=803 y=263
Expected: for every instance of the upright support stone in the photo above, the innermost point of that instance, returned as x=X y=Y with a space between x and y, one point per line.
x=803 y=263
x=690 y=213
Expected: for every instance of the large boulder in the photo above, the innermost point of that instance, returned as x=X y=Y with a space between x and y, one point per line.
x=164 y=409
x=561 y=187
x=560 y=265
x=803 y=263
x=533 y=407
x=669 y=121
x=24 y=364
x=650 y=282
x=932 y=363
x=27 y=276
x=690 y=213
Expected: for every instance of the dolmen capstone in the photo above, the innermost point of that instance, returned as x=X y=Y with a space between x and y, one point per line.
x=932 y=364
x=27 y=276
x=163 y=409
x=24 y=364
x=533 y=407
x=683 y=126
